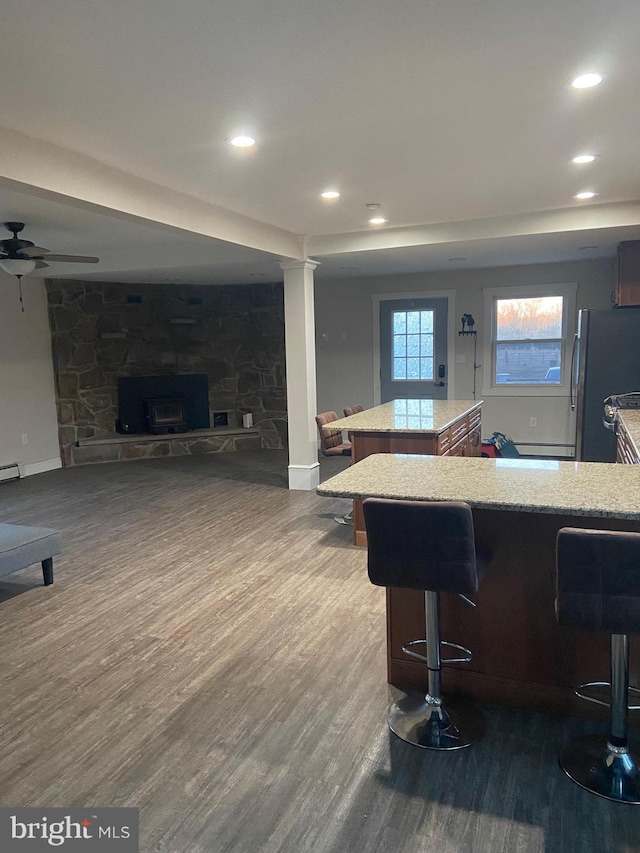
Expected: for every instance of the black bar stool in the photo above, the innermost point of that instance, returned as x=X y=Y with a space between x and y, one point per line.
x=598 y=589
x=427 y=546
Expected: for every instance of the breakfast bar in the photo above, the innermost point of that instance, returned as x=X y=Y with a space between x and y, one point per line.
x=439 y=427
x=521 y=656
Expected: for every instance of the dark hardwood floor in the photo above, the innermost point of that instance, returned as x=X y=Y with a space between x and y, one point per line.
x=212 y=652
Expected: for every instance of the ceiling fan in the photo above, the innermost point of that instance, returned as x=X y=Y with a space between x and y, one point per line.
x=20 y=257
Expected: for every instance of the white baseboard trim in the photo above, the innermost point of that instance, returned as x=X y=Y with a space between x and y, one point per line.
x=10 y=472
x=304 y=477
x=40 y=467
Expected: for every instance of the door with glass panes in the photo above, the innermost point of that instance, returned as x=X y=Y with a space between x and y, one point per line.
x=413 y=349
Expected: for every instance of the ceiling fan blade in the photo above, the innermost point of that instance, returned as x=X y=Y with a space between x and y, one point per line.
x=40 y=265
x=69 y=259
x=30 y=251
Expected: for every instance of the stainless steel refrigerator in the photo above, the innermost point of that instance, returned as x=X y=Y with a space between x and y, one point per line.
x=605 y=361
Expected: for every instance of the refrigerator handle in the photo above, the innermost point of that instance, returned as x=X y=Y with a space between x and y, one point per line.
x=572 y=383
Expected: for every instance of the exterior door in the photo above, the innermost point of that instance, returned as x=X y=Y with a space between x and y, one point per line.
x=413 y=349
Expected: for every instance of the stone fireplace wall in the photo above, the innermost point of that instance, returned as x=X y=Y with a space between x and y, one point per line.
x=100 y=332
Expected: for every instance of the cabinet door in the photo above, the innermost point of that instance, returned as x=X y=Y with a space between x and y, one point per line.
x=627 y=274
x=459 y=449
x=474 y=442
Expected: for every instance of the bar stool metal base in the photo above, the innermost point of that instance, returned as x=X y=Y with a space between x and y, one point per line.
x=591 y=762
x=423 y=721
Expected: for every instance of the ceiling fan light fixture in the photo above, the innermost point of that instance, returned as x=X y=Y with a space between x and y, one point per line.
x=17 y=266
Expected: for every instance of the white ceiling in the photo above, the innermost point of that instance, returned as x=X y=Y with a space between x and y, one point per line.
x=455 y=112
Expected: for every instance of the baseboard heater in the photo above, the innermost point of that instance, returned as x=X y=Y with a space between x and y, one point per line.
x=9 y=472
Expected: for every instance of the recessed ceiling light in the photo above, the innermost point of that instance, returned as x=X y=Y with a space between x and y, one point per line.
x=330 y=194
x=586 y=81
x=377 y=220
x=585 y=194
x=242 y=141
x=584 y=158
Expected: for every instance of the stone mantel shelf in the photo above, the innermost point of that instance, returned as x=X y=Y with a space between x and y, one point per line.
x=145 y=437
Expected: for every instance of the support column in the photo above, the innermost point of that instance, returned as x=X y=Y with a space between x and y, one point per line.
x=300 y=343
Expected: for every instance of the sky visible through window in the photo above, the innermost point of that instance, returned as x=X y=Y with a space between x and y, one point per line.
x=523 y=319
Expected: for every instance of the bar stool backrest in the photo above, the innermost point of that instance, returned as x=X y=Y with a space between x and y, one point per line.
x=598 y=580
x=426 y=545
x=331 y=443
x=352 y=410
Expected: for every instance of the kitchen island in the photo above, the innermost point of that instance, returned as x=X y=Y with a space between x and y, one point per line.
x=438 y=427
x=522 y=657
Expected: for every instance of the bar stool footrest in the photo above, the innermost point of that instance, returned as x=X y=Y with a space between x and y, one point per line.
x=407 y=650
x=634 y=690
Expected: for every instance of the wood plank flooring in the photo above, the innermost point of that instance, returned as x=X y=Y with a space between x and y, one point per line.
x=212 y=652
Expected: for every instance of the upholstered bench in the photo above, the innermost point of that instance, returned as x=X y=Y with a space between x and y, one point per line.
x=23 y=546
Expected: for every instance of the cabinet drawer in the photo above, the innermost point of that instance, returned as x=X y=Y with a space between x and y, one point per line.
x=474 y=419
x=444 y=442
x=625 y=449
x=458 y=430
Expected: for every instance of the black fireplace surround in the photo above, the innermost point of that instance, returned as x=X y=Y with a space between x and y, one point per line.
x=163 y=404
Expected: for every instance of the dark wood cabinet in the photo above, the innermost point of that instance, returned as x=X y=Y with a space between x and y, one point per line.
x=626 y=450
x=626 y=283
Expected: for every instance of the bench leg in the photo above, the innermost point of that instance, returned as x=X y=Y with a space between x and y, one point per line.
x=47 y=571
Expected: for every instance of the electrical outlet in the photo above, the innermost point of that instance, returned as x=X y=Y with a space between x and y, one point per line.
x=460 y=359
x=533 y=422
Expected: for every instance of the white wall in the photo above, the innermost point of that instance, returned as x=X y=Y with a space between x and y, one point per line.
x=344 y=335
x=27 y=396
x=344 y=339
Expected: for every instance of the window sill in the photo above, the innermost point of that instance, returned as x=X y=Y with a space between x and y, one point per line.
x=514 y=390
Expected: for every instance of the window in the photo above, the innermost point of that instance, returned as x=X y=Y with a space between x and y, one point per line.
x=412 y=345
x=528 y=340
x=529 y=344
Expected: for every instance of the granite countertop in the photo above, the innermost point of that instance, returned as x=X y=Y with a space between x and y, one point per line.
x=563 y=488
x=426 y=416
x=630 y=418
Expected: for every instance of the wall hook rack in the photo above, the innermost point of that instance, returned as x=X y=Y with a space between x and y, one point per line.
x=468 y=331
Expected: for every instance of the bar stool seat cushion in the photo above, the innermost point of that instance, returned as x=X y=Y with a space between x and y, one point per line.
x=412 y=548
x=599 y=586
